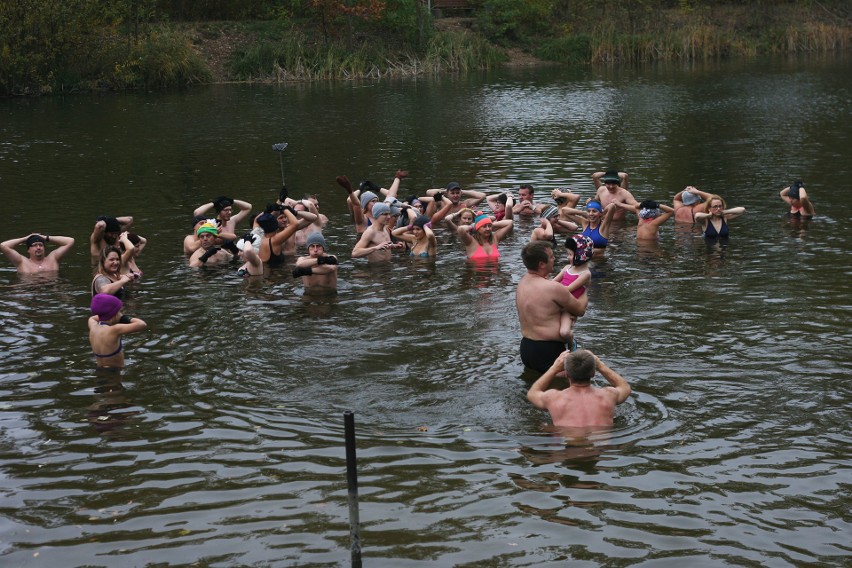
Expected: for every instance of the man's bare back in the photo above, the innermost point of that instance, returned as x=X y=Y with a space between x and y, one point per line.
x=582 y=405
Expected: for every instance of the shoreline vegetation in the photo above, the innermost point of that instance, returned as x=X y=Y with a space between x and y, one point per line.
x=126 y=45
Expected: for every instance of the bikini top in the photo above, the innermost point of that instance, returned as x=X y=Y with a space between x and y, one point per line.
x=117 y=351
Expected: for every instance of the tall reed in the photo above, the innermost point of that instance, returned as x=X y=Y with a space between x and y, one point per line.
x=294 y=58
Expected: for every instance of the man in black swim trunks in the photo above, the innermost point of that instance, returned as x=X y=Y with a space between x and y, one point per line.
x=540 y=302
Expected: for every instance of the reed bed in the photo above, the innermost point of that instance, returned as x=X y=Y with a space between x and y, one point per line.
x=295 y=59
x=677 y=37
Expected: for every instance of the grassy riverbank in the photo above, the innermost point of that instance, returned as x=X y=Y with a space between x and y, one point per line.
x=459 y=44
x=108 y=53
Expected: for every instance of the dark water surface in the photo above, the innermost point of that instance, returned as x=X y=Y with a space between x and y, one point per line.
x=221 y=444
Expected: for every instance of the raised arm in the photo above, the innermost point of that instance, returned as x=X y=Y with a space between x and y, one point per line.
x=609 y=212
x=290 y=230
x=450 y=222
x=667 y=212
x=65 y=243
x=463 y=231
x=141 y=244
x=96 y=238
x=305 y=219
x=544 y=231
x=621 y=386
x=129 y=249
x=472 y=198
x=245 y=211
x=537 y=393
x=733 y=212
x=445 y=206
x=351 y=198
x=678 y=198
x=133 y=326
x=573 y=212
x=8 y=249
x=403 y=233
x=309 y=205
x=510 y=204
x=394 y=188
x=502 y=228
x=493 y=201
x=702 y=194
x=203 y=209
x=570 y=225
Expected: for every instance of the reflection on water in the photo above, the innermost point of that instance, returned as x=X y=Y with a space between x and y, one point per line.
x=111 y=408
x=221 y=443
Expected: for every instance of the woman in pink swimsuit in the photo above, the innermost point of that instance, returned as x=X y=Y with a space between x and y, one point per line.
x=480 y=239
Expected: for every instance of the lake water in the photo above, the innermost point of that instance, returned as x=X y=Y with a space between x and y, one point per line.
x=221 y=444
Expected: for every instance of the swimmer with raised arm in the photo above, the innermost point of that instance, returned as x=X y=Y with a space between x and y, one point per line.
x=797 y=198
x=107 y=326
x=38 y=260
x=714 y=219
x=581 y=405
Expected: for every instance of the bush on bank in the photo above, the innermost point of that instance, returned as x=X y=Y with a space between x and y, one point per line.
x=53 y=47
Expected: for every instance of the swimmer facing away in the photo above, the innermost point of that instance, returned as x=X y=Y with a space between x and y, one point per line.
x=581 y=405
x=106 y=328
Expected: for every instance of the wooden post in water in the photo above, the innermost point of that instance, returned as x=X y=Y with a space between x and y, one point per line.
x=352 y=482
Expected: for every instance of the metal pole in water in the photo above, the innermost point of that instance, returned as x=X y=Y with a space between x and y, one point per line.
x=352 y=482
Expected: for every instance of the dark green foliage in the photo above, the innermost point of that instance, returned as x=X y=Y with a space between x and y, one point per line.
x=574 y=50
x=136 y=44
x=514 y=21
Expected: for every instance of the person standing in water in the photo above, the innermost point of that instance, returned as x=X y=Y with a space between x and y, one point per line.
x=540 y=302
x=714 y=218
x=38 y=260
x=581 y=405
x=797 y=198
x=318 y=270
x=107 y=326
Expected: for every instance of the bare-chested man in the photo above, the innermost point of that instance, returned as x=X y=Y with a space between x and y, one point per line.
x=106 y=232
x=526 y=204
x=375 y=242
x=540 y=302
x=208 y=253
x=318 y=270
x=438 y=208
x=38 y=260
x=581 y=405
x=612 y=188
x=226 y=220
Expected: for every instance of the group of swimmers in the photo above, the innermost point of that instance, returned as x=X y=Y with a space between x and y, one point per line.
x=384 y=224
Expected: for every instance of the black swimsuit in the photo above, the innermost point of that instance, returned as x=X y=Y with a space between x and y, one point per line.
x=119 y=294
x=275 y=259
